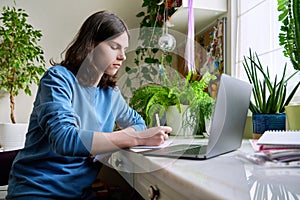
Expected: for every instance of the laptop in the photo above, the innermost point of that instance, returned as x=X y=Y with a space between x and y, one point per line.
x=227 y=126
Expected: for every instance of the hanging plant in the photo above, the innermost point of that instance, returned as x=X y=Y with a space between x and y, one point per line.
x=151 y=29
x=289 y=37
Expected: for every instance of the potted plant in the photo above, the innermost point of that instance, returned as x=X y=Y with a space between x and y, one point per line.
x=160 y=96
x=188 y=99
x=289 y=38
x=269 y=96
x=21 y=60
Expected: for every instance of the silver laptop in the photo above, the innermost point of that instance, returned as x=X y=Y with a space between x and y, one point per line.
x=227 y=127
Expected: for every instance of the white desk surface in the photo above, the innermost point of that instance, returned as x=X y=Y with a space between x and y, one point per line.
x=222 y=177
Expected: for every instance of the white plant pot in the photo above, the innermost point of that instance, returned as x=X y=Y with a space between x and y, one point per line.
x=175 y=120
x=12 y=136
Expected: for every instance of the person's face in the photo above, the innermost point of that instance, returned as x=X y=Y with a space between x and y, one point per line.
x=109 y=55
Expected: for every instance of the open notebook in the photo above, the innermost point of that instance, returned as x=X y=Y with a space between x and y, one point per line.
x=227 y=128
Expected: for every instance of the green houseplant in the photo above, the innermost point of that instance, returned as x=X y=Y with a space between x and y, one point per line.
x=21 y=58
x=289 y=38
x=151 y=29
x=269 y=96
x=189 y=97
x=167 y=93
x=22 y=62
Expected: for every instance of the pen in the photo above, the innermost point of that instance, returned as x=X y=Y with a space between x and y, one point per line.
x=157 y=120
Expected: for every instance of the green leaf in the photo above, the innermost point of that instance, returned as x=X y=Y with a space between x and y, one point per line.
x=140 y=14
x=169 y=58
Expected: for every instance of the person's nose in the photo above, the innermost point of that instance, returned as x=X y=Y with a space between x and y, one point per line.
x=122 y=55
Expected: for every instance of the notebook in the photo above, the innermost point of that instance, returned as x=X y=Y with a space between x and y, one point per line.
x=227 y=126
x=279 y=140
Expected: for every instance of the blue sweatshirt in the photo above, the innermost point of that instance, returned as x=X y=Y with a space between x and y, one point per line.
x=55 y=162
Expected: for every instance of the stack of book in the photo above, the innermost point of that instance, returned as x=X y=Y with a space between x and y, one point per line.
x=283 y=146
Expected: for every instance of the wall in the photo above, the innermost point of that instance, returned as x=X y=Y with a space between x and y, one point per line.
x=59 y=21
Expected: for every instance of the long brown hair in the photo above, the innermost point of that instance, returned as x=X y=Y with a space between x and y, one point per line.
x=97 y=28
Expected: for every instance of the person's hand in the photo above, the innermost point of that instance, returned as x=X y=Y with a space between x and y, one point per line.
x=128 y=137
x=153 y=136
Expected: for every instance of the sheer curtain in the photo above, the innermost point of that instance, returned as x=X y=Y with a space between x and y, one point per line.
x=258 y=28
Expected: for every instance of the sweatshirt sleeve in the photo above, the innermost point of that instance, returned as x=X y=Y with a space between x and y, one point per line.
x=125 y=115
x=56 y=116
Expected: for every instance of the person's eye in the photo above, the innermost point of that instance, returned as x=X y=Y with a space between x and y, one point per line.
x=114 y=47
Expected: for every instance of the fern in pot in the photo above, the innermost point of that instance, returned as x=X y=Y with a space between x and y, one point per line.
x=177 y=98
x=21 y=60
x=269 y=96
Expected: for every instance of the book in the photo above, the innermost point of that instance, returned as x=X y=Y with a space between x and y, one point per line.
x=279 y=140
x=254 y=145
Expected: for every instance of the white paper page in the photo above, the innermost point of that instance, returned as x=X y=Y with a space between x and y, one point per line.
x=165 y=144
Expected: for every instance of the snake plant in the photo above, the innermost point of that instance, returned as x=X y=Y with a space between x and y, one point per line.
x=270 y=96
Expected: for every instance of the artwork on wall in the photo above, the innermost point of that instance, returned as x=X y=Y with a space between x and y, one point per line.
x=209 y=50
x=210 y=53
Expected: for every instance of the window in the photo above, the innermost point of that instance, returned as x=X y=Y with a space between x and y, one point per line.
x=258 y=28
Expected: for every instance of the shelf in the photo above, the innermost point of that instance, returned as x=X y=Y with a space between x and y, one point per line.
x=205 y=13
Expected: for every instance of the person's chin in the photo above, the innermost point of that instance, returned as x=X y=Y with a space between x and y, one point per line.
x=112 y=72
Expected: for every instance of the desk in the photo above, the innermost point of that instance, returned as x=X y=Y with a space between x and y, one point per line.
x=223 y=177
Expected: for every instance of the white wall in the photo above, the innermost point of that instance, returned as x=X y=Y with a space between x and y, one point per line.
x=59 y=20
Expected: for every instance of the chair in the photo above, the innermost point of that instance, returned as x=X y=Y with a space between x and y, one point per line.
x=6 y=160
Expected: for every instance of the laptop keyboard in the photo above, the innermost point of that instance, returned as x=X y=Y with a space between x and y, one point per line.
x=183 y=149
x=192 y=151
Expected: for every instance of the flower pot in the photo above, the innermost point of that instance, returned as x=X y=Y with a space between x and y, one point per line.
x=265 y=122
x=12 y=136
x=177 y=121
x=292 y=117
